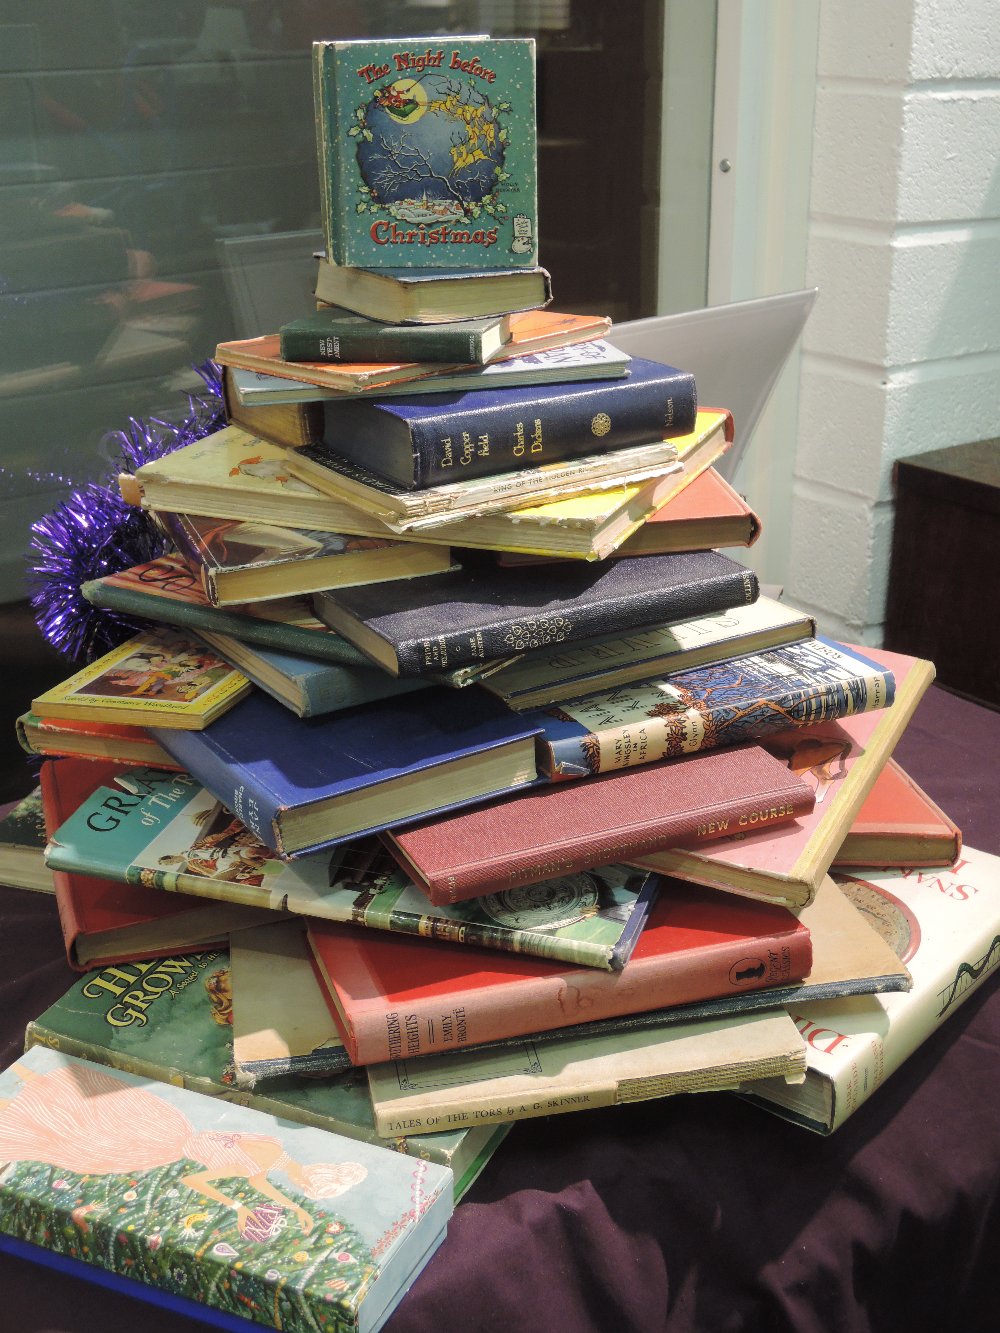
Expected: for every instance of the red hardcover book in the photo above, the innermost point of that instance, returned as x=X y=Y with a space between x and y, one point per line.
x=558 y=830
x=106 y=922
x=899 y=825
x=394 y=997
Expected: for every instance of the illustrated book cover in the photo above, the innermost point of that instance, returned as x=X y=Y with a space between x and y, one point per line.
x=105 y=920
x=223 y=1206
x=945 y=925
x=841 y=761
x=22 y=844
x=563 y=829
x=479 y=613
x=303 y=784
x=426 y=150
x=721 y=703
x=395 y=997
x=899 y=825
x=432 y=296
x=179 y=839
x=158 y=676
x=171 y=1020
x=565 y=671
x=433 y=439
x=239 y=561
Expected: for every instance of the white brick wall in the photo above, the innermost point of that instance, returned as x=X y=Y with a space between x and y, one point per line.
x=902 y=353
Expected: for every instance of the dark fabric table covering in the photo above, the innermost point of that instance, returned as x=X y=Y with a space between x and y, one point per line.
x=689 y=1213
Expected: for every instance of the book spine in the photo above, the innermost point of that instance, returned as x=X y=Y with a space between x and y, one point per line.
x=199 y=886
x=442 y=1112
x=324 y=100
x=432 y=1025
x=394 y=343
x=416 y=657
x=504 y=434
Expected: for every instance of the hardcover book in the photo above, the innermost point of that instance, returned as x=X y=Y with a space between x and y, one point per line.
x=477 y=614
x=178 y=1028
x=841 y=761
x=398 y=998
x=22 y=843
x=105 y=921
x=427 y=151
x=84 y=739
x=222 y=1206
x=723 y=703
x=263 y=353
x=432 y=296
x=561 y=830
x=573 y=1073
x=178 y=838
x=432 y=439
x=239 y=561
x=156 y=677
x=304 y=784
x=899 y=825
x=945 y=924
x=335 y=335
x=167 y=592
x=565 y=671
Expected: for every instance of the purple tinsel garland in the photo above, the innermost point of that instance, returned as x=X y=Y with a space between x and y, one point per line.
x=93 y=532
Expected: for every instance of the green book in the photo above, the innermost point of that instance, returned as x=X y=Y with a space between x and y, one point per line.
x=427 y=151
x=22 y=842
x=338 y=335
x=173 y=834
x=170 y=1019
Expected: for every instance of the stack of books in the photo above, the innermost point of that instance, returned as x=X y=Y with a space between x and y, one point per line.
x=456 y=777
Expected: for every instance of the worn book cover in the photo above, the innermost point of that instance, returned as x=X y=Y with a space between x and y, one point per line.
x=223 y=1206
x=105 y=920
x=945 y=925
x=22 y=842
x=239 y=561
x=172 y=1020
x=263 y=353
x=427 y=440
x=84 y=739
x=176 y=837
x=899 y=825
x=572 y=1073
x=722 y=703
x=159 y=678
x=841 y=761
x=432 y=295
x=564 y=829
x=482 y=612
x=565 y=671
x=305 y=784
x=395 y=997
x=426 y=150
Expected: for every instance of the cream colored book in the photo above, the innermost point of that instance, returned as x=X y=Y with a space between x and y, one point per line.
x=526 y=1078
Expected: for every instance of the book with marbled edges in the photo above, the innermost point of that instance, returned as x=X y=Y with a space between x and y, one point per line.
x=477 y=614
x=223 y=1206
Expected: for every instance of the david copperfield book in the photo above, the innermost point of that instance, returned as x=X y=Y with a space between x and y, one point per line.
x=427 y=152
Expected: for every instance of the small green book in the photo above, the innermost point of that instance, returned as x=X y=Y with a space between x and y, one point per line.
x=333 y=334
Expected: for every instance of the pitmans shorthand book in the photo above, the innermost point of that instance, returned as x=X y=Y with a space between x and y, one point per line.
x=427 y=152
x=396 y=997
x=945 y=925
x=195 y=1200
x=722 y=703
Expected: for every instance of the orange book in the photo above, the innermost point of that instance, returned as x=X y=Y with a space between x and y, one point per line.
x=900 y=826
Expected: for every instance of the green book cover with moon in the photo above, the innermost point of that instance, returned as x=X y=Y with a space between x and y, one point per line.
x=427 y=152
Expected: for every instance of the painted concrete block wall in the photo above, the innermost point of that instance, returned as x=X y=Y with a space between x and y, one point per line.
x=902 y=353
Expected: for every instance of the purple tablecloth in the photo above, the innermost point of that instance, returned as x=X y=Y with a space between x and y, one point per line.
x=691 y=1213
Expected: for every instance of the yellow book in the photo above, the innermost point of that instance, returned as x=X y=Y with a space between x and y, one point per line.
x=157 y=679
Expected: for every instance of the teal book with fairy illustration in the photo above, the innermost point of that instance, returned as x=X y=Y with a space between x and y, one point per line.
x=427 y=152
x=171 y=1020
x=193 y=1197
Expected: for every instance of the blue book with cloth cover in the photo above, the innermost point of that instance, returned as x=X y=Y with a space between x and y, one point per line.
x=302 y=784
x=428 y=439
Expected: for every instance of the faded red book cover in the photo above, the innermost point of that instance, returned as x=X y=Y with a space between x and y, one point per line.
x=899 y=825
x=395 y=997
x=561 y=829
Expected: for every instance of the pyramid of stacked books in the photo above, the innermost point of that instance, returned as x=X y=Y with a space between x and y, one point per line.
x=455 y=767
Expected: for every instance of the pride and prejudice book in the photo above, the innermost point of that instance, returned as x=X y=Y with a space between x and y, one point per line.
x=305 y=784
x=203 y=1206
x=398 y=998
x=480 y=613
x=176 y=837
x=723 y=703
x=427 y=151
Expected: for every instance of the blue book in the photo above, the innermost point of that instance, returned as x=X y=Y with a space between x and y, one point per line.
x=302 y=784
x=429 y=439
